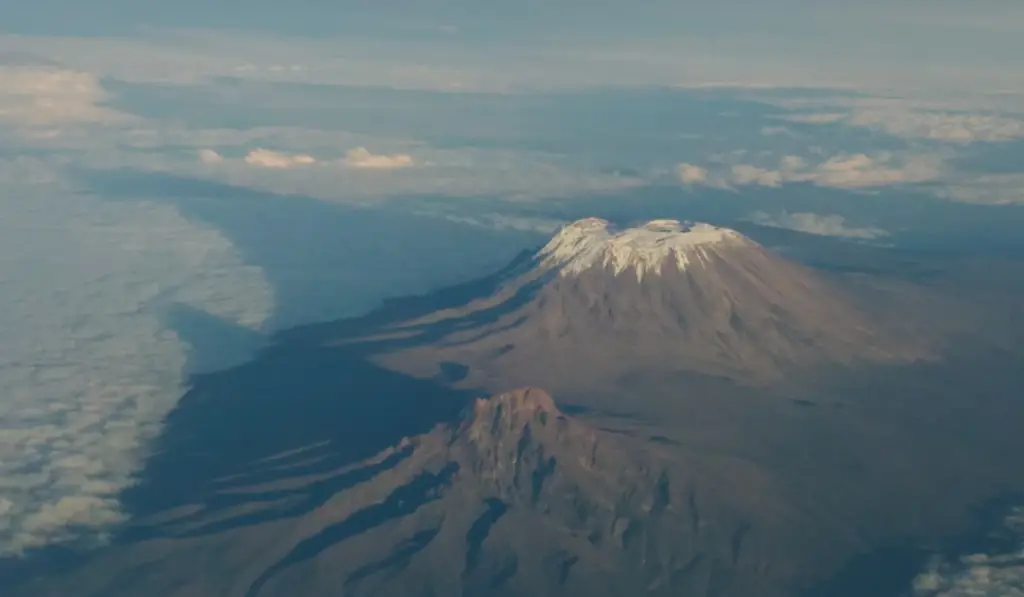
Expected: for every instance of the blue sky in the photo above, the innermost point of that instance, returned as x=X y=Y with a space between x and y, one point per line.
x=264 y=163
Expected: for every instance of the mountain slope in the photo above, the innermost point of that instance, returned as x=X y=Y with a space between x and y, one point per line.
x=515 y=499
x=597 y=303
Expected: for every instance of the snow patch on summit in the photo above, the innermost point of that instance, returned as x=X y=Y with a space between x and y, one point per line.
x=645 y=249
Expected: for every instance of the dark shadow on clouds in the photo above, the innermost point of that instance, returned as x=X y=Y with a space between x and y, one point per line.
x=271 y=439
x=297 y=409
x=296 y=395
x=324 y=260
x=214 y=343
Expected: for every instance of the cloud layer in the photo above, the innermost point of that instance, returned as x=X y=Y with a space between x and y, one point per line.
x=360 y=157
x=209 y=156
x=904 y=119
x=266 y=158
x=613 y=43
x=461 y=172
x=940 y=126
x=690 y=174
x=35 y=96
x=88 y=367
x=847 y=171
x=821 y=225
x=989 y=189
x=996 y=574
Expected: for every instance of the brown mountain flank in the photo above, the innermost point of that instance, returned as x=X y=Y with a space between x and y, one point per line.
x=515 y=498
x=581 y=313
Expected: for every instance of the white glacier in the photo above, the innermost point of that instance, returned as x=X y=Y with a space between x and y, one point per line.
x=645 y=249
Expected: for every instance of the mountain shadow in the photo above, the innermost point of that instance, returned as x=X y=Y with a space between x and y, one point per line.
x=311 y=407
x=322 y=259
x=214 y=343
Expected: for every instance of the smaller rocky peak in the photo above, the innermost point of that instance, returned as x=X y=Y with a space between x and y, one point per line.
x=507 y=424
x=515 y=442
x=510 y=412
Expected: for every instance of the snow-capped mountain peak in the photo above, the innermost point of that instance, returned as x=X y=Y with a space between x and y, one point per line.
x=704 y=299
x=645 y=249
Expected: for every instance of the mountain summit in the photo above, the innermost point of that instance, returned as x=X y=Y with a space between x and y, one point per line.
x=645 y=249
x=673 y=297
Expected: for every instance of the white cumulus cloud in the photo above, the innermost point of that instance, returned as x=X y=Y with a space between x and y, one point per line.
x=746 y=174
x=940 y=126
x=821 y=225
x=989 y=189
x=48 y=96
x=995 y=574
x=266 y=158
x=852 y=171
x=209 y=156
x=816 y=117
x=861 y=170
x=690 y=174
x=360 y=157
x=909 y=121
